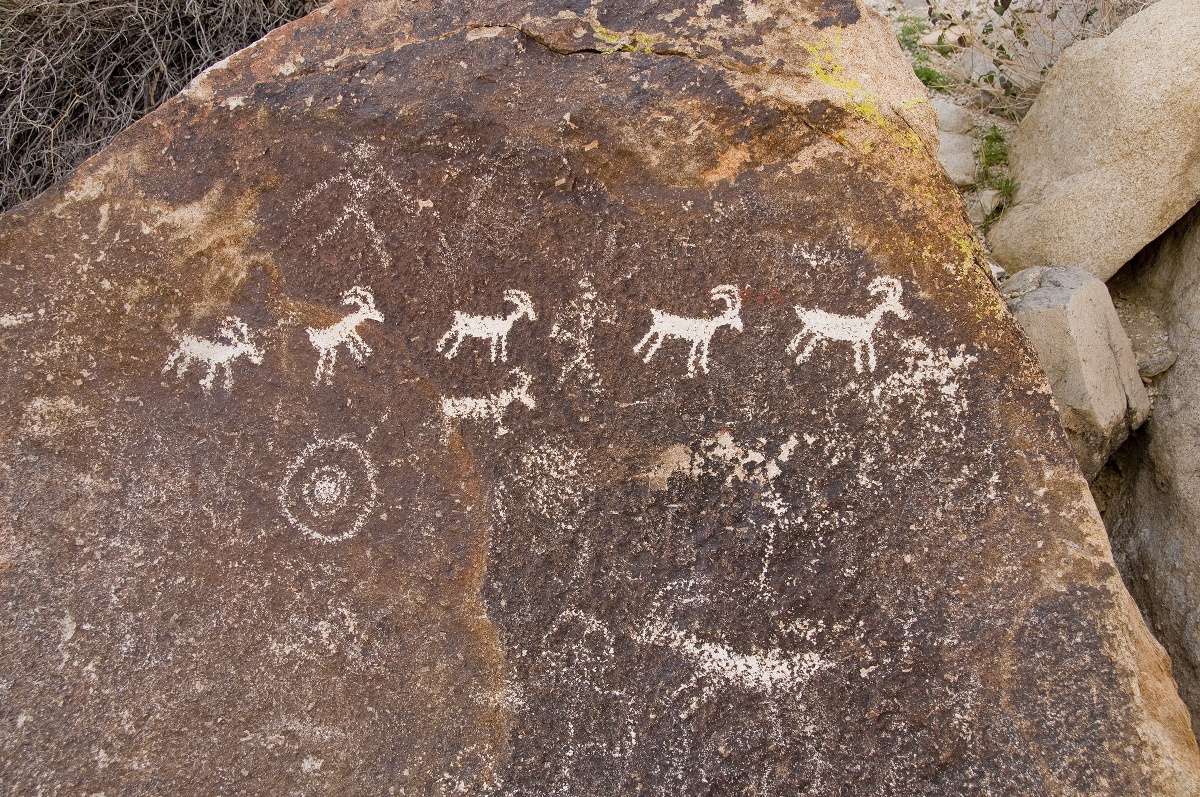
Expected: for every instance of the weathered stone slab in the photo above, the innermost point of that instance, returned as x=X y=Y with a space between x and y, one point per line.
x=952 y=117
x=956 y=153
x=520 y=399
x=1074 y=328
x=1148 y=335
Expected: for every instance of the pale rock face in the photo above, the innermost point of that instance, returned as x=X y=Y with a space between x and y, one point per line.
x=982 y=205
x=989 y=200
x=1070 y=319
x=956 y=153
x=952 y=118
x=1154 y=519
x=1109 y=155
x=1148 y=334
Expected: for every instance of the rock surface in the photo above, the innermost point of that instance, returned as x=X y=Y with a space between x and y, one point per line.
x=956 y=153
x=1148 y=334
x=511 y=399
x=1109 y=155
x=1155 y=517
x=1071 y=322
x=952 y=117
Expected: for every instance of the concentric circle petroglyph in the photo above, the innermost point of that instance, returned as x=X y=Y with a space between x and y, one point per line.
x=329 y=490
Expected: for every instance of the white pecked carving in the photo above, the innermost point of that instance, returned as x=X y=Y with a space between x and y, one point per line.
x=697 y=331
x=494 y=329
x=329 y=490
x=491 y=408
x=818 y=325
x=575 y=326
x=345 y=332
x=767 y=671
x=216 y=355
x=363 y=181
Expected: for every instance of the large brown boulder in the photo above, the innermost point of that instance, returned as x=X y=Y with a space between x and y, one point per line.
x=520 y=399
x=1155 y=517
x=1109 y=155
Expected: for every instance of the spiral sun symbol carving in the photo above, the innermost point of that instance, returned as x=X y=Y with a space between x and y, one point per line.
x=329 y=491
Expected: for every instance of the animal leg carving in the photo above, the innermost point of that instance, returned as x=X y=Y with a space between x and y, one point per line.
x=698 y=332
x=441 y=346
x=658 y=340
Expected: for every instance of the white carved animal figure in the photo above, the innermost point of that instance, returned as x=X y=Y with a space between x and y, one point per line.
x=698 y=331
x=214 y=354
x=818 y=325
x=491 y=407
x=344 y=332
x=492 y=328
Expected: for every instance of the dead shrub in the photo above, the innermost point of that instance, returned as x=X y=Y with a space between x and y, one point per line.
x=74 y=73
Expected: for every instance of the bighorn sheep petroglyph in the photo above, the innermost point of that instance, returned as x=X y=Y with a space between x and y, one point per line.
x=491 y=407
x=698 y=331
x=216 y=355
x=818 y=325
x=492 y=328
x=327 y=339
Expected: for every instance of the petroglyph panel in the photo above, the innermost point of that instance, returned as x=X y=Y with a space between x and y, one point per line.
x=344 y=334
x=233 y=342
x=626 y=423
x=360 y=187
x=493 y=329
x=697 y=332
x=491 y=408
x=819 y=326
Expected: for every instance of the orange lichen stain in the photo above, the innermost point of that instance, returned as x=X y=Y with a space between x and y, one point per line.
x=729 y=165
x=756 y=296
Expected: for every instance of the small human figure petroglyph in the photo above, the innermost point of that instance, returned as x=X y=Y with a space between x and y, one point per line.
x=491 y=407
x=216 y=355
x=818 y=325
x=698 y=331
x=364 y=182
x=491 y=328
x=344 y=332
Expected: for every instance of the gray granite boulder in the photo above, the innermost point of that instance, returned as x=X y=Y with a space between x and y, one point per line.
x=1109 y=155
x=1080 y=343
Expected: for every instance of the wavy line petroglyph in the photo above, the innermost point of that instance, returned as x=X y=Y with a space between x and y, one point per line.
x=218 y=356
x=493 y=329
x=757 y=670
x=697 y=331
x=859 y=331
x=344 y=333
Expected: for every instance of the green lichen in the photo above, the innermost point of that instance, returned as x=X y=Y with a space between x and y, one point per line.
x=631 y=42
x=864 y=104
